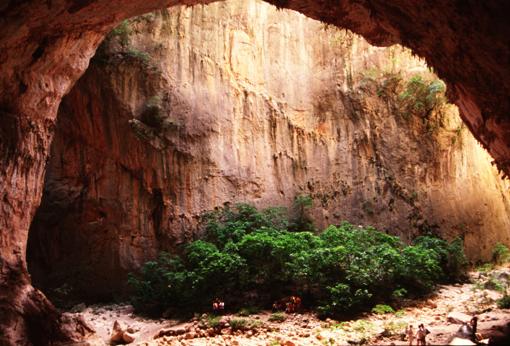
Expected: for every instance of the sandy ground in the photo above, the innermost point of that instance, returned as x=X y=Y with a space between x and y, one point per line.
x=306 y=329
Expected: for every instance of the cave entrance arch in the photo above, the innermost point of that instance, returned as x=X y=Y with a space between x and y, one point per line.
x=46 y=46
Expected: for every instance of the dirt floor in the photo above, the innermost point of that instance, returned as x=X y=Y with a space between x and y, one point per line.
x=441 y=313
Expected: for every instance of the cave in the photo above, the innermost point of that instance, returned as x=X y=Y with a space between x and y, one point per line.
x=46 y=47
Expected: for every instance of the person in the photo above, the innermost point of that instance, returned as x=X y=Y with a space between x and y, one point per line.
x=410 y=334
x=218 y=305
x=474 y=325
x=421 y=335
x=288 y=304
x=293 y=304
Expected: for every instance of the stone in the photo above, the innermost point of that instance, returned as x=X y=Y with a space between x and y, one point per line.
x=461 y=341
x=431 y=304
x=117 y=333
x=128 y=337
x=458 y=318
x=120 y=335
x=288 y=343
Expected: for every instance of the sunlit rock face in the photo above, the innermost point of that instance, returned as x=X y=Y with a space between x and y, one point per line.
x=190 y=108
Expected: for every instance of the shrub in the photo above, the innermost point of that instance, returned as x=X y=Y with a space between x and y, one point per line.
x=238 y=323
x=231 y=224
x=122 y=31
x=213 y=321
x=381 y=309
x=138 y=55
x=494 y=284
x=247 y=311
x=342 y=299
x=254 y=324
x=452 y=259
x=421 y=96
x=277 y=317
x=500 y=254
x=504 y=302
x=393 y=328
x=485 y=267
x=400 y=313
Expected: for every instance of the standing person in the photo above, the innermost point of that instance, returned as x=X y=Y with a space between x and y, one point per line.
x=410 y=334
x=421 y=336
x=474 y=324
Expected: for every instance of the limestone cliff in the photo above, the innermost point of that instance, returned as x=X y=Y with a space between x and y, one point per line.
x=190 y=108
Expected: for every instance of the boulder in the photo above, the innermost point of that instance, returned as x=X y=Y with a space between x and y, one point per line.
x=288 y=343
x=461 y=341
x=458 y=318
x=121 y=335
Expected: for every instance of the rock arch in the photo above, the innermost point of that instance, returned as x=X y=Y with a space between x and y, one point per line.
x=45 y=46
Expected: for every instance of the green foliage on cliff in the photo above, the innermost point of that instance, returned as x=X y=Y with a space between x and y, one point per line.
x=421 y=96
x=142 y=56
x=250 y=257
x=122 y=31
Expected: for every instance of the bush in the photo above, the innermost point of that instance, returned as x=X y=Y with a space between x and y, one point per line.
x=504 y=302
x=238 y=323
x=452 y=259
x=138 y=55
x=381 y=309
x=500 y=254
x=277 y=317
x=213 y=321
x=495 y=285
x=421 y=96
x=344 y=270
x=122 y=31
x=485 y=267
x=231 y=224
x=394 y=328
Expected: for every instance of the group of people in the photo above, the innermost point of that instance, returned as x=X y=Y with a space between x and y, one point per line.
x=468 y=331
x=218 y=305
x=288 y=304
x=420 y=335
x=293 y=303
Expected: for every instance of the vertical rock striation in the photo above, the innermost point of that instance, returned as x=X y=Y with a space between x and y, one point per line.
x=187 y=109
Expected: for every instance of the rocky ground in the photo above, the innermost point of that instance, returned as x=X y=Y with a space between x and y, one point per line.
x=441 y=313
